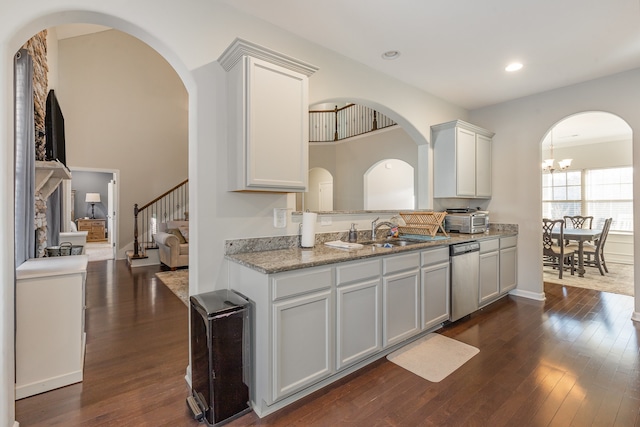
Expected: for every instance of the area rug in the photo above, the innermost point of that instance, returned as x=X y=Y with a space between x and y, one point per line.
x=433 y=357
x=619 y=279
x=99 y=251
x=178 y=282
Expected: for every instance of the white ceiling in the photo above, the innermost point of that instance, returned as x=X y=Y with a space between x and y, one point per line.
x=458 y=49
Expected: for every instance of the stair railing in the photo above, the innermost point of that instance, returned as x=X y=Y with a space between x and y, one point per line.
x=346 y=122
x=172 y=205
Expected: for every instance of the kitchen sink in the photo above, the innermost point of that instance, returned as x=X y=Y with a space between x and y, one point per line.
x=391 y=242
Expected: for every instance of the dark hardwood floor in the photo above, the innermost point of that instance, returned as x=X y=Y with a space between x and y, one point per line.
x=573 y=360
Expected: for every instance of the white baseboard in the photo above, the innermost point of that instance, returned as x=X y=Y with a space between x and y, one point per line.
x=537 y=296
x=635 y=316
x=47 y=384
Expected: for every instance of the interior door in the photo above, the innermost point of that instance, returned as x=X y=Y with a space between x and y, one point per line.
x=111 y=215
x=326 y=196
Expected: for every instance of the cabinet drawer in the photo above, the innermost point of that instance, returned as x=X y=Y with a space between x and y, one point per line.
x=508 y=242
x=435 y=256
x=400 y=263
x=300 y=282
x=357 y=271
x=489 y=245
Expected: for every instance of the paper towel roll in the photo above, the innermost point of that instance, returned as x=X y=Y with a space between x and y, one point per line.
x=308 y=238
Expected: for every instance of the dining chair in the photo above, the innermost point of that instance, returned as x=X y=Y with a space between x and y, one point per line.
x=578 y=221
x=594 y=252
x=554 y=252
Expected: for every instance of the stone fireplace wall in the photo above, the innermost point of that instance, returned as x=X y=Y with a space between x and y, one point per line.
x=37 y=47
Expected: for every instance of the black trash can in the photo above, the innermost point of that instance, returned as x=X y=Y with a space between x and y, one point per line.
x=220 y=356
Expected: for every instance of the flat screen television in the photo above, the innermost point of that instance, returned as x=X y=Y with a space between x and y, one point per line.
x=54 y=130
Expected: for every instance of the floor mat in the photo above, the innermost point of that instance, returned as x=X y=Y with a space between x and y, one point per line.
x=433 y=357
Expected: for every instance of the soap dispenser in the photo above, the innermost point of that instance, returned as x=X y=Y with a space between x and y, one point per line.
x=353 y=234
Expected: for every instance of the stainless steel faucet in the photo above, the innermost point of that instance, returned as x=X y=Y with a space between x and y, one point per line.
x=375 y=226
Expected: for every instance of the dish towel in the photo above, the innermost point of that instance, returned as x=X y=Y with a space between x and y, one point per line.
x=343 y=245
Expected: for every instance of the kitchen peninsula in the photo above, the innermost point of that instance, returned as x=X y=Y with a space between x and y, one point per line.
x=322 y=313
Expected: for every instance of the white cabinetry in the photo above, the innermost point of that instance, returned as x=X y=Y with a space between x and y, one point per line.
x=489 y=271
x=268 y=119
x=50 y=337
x=302 y=315
x=462 y=160
x=435 y=288
x=358 y=311
x=508 y=263
x=401 y=297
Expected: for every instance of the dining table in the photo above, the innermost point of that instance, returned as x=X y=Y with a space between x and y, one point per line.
x=579 y=235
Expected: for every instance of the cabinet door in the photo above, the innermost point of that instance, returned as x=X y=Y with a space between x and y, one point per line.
x=302 y=352
x=483 y=166
x=358 y=321
x=489 y=277
x=401 y=300
x=276 y=136
x=465 y=163
x=508 y=269
x=435 y=294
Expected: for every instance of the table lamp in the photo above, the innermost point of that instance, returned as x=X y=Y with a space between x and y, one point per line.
x=92 y=198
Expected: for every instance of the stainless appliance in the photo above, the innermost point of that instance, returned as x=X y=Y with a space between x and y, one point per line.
x=467 y=221
x=465 y=276
x=220 y=356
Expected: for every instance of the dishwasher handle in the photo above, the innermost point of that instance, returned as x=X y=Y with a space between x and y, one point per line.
x=464 y=248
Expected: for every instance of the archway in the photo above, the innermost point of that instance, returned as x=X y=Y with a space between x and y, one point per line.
x=598 y=183
x=389 y=184
x=7 y=371
x=320 y=194
x=349 y=159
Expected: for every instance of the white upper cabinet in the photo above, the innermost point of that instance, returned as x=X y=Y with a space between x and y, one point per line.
x=268 y=119
x=462 y=160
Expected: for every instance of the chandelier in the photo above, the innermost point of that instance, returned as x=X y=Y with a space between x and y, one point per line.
x=548 y=164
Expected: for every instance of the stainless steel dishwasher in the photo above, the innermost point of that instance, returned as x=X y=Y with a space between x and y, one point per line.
x=465 y=276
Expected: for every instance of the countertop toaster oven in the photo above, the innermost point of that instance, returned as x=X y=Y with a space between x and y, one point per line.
x=468 y=221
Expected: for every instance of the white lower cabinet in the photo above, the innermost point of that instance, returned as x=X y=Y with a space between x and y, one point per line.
x=358 y=312
x=400 y=298
x=317 y=324
x=435 y=287
x=508 y=263
x=302 y=342
x=489 y=271
x=302 y=324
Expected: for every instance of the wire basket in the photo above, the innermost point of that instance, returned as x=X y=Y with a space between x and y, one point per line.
x=422 y=223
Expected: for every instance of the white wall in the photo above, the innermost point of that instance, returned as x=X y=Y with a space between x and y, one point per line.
x=520 y=126
x=125 y=108
x=350 y=159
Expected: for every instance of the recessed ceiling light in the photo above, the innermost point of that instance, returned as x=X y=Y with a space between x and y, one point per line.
x=514 y=66
x=391 y=54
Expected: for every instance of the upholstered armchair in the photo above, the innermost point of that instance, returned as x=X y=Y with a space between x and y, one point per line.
x=172 y=239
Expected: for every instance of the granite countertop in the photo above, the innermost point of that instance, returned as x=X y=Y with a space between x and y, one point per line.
x=279 y=260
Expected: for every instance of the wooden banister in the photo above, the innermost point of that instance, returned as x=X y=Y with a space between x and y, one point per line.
x=170 y=205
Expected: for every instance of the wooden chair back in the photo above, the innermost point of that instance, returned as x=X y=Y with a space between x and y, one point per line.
x=578 y=221
x=548 y=242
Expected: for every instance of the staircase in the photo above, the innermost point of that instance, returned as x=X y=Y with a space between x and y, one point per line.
x=170 y=205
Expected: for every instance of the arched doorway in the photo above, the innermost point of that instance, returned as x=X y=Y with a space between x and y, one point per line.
x=597 y=182
x=7 y=371
x=348 y=160
x=320 y=194
x=389 y=184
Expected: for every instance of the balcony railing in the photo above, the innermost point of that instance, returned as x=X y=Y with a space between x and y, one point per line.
x=346 y=122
